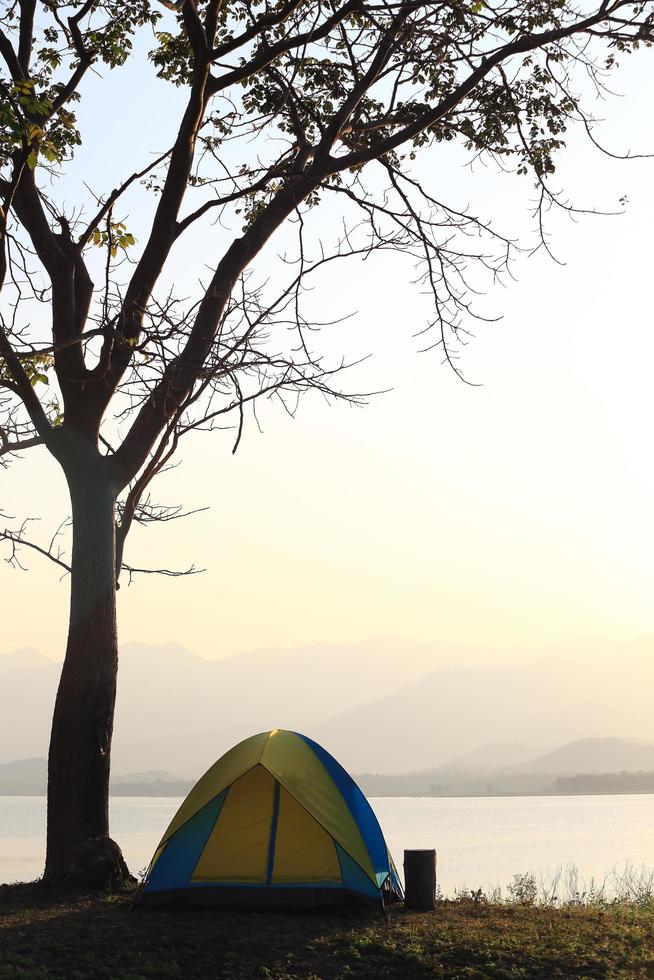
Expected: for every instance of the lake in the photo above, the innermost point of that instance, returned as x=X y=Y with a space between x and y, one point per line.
x=481 y=842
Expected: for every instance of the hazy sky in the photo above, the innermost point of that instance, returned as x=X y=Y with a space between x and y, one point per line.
x=517 y=512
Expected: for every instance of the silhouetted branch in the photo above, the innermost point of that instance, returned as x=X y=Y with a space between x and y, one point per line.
x=8 y=447
x=16 y=540
x=168 y=572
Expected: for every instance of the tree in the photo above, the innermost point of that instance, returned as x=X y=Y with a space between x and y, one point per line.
x=287 y=104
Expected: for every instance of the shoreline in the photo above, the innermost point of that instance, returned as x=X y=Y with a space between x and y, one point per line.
x=163 y=792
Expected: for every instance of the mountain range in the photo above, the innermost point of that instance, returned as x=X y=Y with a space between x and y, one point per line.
x=388 y=705
x=595 y=765
x=588 y=765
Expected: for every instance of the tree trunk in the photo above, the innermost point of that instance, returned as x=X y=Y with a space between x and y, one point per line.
x=80 y=743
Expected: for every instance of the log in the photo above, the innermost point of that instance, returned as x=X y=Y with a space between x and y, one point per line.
x=420 y=880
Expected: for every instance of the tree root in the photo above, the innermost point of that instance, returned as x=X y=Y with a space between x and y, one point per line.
x=97 y=863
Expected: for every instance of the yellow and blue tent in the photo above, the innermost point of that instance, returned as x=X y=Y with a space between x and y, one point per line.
x=275 y=823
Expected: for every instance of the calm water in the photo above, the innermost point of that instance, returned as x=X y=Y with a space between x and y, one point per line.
x=480 y=842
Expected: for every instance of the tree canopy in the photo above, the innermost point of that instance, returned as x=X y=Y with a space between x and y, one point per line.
x=287 y=104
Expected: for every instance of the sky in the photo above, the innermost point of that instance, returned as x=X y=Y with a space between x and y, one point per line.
x=514 y=513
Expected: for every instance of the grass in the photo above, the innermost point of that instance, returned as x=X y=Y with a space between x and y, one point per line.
x=52 y=935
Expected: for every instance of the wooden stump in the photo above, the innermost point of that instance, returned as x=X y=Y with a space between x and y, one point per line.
x=420 y=880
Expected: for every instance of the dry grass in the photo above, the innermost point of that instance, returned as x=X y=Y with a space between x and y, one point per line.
x=47 y=935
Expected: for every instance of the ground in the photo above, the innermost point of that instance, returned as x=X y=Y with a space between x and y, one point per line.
x=51 y=935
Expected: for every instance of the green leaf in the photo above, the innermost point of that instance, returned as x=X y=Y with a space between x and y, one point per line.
x=49 y=152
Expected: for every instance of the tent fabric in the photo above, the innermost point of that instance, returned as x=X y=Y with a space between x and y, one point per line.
x=275 y=823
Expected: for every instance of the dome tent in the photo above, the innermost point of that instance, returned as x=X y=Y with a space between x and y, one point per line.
x=276 y=823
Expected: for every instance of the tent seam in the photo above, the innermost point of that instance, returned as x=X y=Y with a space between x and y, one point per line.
x=273 y=833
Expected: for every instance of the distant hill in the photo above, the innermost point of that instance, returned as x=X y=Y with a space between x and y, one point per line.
x=496 y=755
x=387 y=705
x=28 y=683
x=587 y=784
x=23 y=777
x=590 y=765
x=453 y=782
x=595 y=755
x=25 y=659
x=585 y=755
x=28 y=777
x=456 y=708
x=152 y=776
x=606 y=760
x=178 y=712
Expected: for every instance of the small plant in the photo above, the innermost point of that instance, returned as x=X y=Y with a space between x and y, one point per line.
x=633 y=884
x=523 y=889
x=475 y=896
